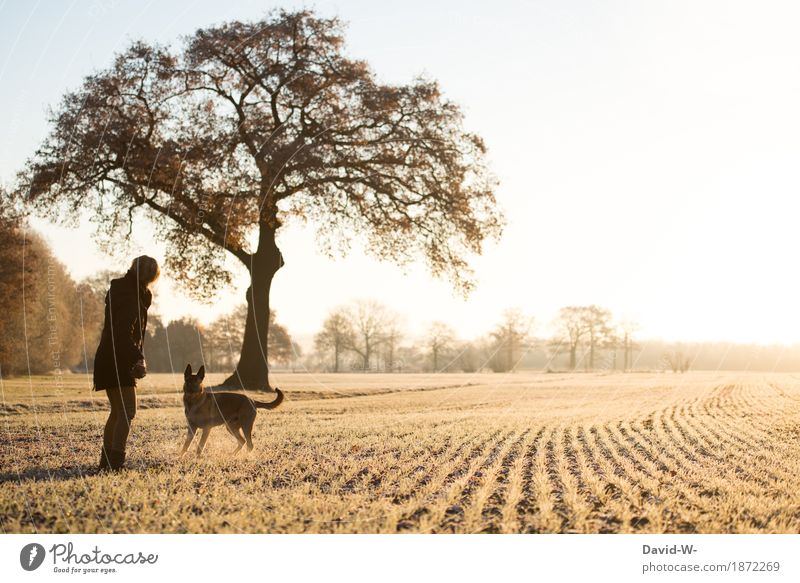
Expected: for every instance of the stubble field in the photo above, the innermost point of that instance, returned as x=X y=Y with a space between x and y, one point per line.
x=517 y=453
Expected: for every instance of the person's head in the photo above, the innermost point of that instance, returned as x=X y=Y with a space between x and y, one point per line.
x=146 y=269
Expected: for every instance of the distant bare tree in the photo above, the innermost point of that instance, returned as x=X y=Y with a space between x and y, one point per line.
x=510 y=336
x=337 y=335
x=598 y=330
x=572 y=322
x=627 y=330
x=612 y=342
x=282 y=348
x=439 y=339
x=223 y=337
x=677 y=360
x=583 y=324
x=369 y=320
x=392 y=336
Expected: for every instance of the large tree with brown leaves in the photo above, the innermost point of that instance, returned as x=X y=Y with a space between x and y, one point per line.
x=247 y=125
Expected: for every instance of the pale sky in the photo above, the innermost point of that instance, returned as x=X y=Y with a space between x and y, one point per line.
x=647 y=152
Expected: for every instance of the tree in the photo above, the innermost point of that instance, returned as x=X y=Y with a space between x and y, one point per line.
x=572 y=322
x=91 y=295
x=471 y=357
x=510 y=336
x=254 y=123
x=156 y=347
x=336 y=335
x=222 y=337
x=39 y=302
x=677 y=360
x=14 y=270
x=370 y=320
x=390 y=340
x=296 y=355
x=627 y=330
x=281 y=346
x=170 y=348
x=439 y=338
x=612 y=341
x=591 y=324
x=597 y=323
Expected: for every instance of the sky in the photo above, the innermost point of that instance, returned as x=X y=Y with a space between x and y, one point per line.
x=647 y=155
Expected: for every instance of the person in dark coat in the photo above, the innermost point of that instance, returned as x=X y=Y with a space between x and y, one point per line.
x=119 y=360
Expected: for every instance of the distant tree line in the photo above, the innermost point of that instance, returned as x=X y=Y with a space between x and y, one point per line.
x=366 y=336
x=46 y=318
x=170 y=347
x=51 y=324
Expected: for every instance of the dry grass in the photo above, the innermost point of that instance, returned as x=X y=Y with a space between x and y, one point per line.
x=700 y=452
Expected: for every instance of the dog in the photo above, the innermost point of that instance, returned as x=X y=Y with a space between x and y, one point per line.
x=205 y=410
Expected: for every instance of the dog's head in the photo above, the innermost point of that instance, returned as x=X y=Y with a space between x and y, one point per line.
x=193 y=383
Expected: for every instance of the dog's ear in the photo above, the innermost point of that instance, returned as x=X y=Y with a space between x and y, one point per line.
x=188 y=372
x=201 y=374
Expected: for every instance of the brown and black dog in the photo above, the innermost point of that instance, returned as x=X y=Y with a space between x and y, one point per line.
x=205 y=409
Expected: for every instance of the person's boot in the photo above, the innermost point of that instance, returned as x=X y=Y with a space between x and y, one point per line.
x=116 y=459
x=104 y=465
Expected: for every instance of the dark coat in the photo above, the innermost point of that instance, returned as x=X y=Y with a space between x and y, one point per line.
x=122 y=339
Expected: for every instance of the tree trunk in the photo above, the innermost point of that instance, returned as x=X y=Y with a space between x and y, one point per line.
x=625 y=348
x=252 y=371
x=390 y=357
x=336 y=356
x=629 y=351
x=573 y=361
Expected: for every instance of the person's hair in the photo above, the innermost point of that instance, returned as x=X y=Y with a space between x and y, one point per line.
x=146 y=269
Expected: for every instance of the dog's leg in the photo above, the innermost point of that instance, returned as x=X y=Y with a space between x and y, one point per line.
x=189 y=437
x=203 y=438
x=235 y=432
x=247 y=428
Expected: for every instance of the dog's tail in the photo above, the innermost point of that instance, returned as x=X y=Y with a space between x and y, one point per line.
x=278 y=400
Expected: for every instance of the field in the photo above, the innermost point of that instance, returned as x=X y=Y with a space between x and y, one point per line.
x=524 y=452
